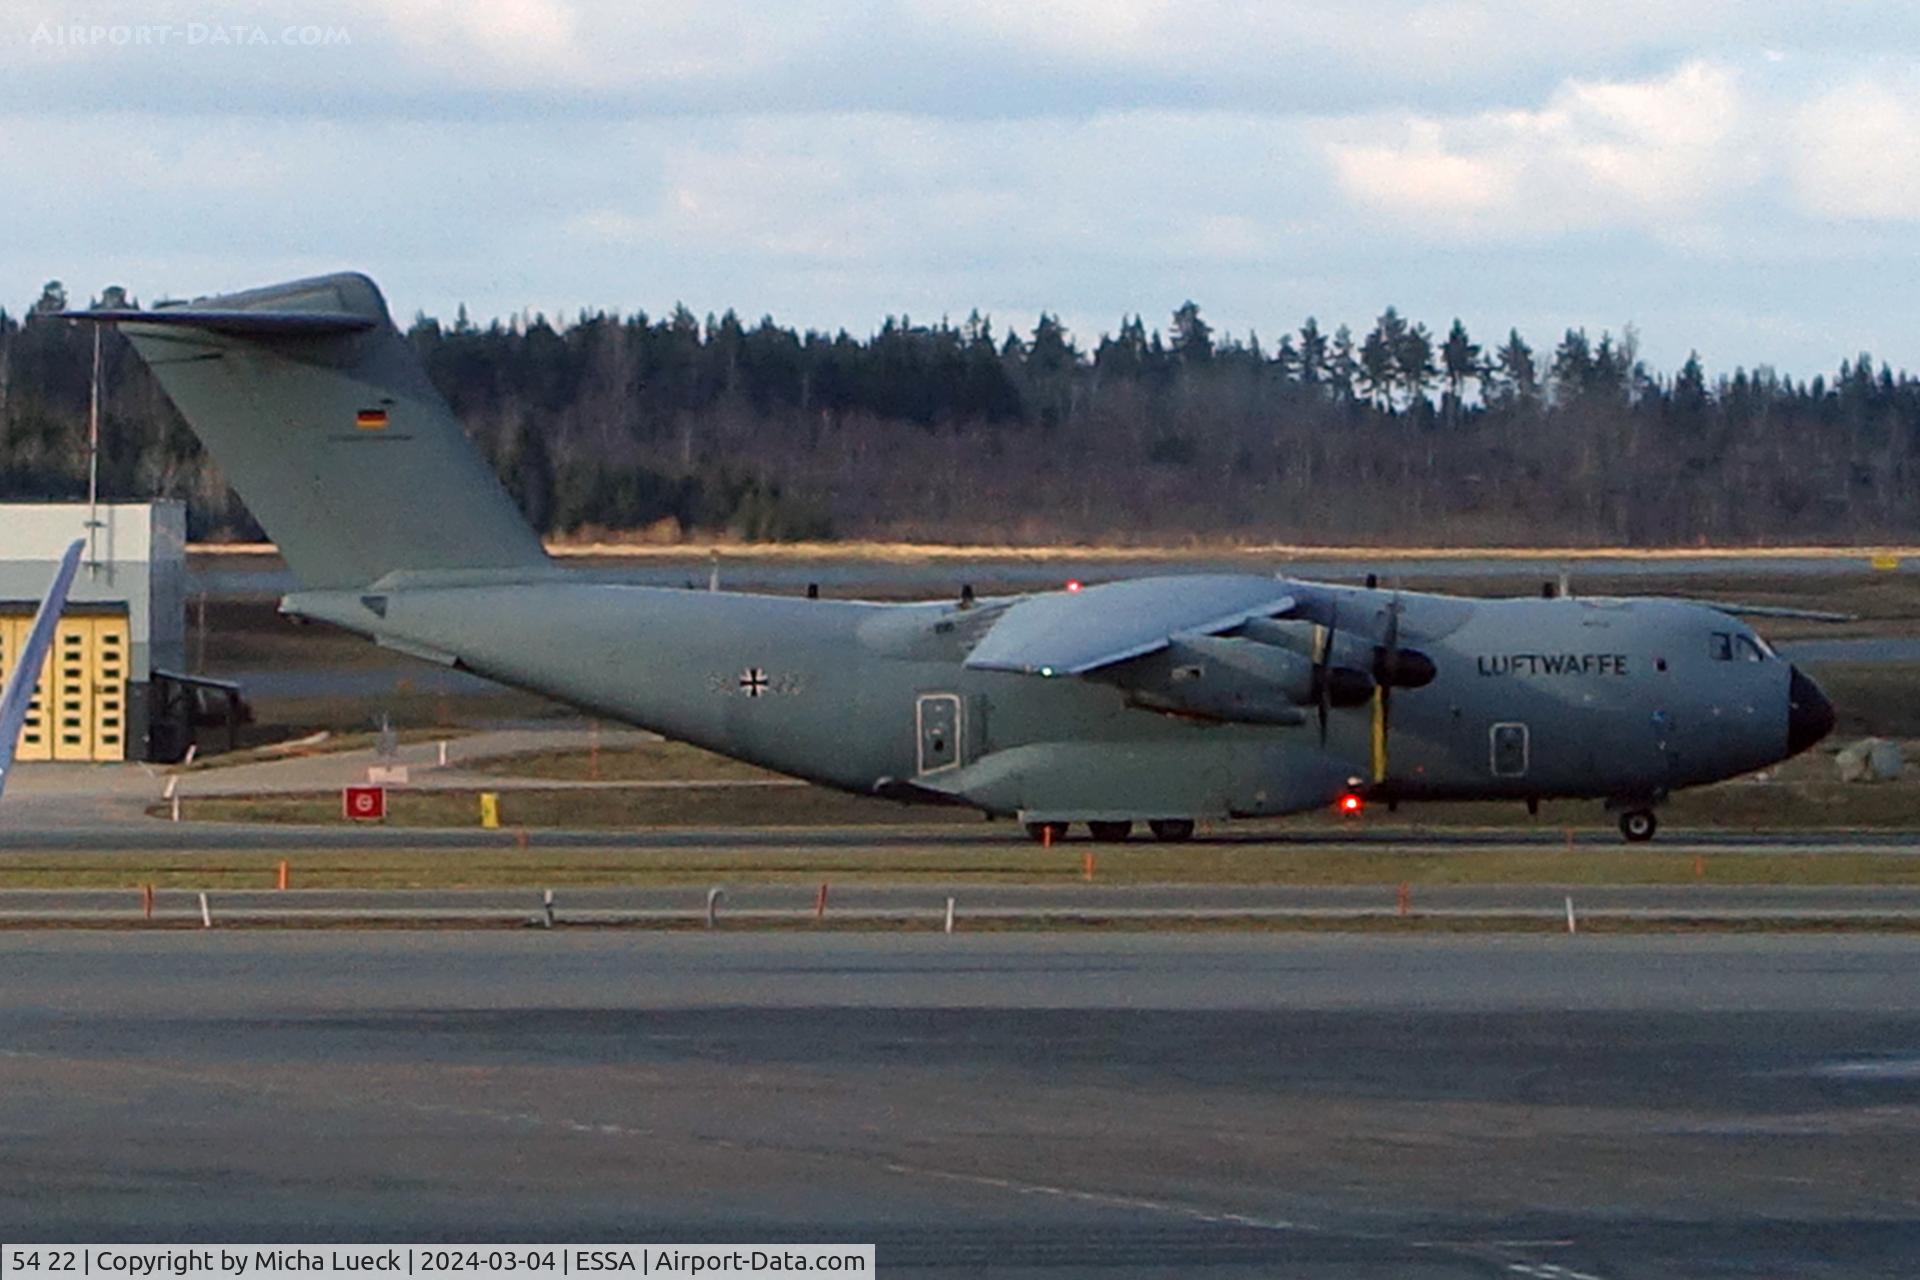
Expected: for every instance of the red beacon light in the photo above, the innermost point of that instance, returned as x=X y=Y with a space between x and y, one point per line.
x=1073 y=584
x=1351 y=803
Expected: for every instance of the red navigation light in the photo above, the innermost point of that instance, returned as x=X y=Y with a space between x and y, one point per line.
x=1352 y=802
x=1073 y=584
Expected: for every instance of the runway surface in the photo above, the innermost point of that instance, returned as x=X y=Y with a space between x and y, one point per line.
x=991 y=1104
x=1143 y=905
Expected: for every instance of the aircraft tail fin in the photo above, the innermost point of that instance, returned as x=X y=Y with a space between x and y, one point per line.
x=18 y=695
x=323 y=419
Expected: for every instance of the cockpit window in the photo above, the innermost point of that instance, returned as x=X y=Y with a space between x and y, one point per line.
x=1728 y=646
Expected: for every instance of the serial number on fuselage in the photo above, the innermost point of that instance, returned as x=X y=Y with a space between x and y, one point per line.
x=1553 y=664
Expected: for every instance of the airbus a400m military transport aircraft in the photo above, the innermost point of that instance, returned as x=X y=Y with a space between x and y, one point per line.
x=1163 y=700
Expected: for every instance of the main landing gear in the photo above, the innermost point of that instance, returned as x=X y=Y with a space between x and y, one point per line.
x=1166 y=830
x=1638 y=825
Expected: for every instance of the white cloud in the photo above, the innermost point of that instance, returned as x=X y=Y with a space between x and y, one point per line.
x=1423 y=178
x=953 y=58
x=834 y=163
x=529 y=41
x=885 y=191
x=1853 y=152
x=1653 y=153
x=1125 y=31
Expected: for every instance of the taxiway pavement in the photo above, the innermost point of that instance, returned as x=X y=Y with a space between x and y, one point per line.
x=1057 y=1106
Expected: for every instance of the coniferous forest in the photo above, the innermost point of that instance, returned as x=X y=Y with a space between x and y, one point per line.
x=1389 y=432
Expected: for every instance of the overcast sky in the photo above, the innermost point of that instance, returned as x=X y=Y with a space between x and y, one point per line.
x=1743 y=178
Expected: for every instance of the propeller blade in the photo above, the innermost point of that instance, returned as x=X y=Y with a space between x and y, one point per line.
x=1322 y=663
x=1389 y=667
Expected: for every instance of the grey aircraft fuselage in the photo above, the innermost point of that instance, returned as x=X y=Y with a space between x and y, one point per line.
x=1623 y=700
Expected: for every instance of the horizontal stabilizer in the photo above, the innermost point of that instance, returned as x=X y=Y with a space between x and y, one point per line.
x=1065 y=633
x=246 y=324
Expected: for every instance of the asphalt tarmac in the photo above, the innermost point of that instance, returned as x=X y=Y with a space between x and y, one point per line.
x=1056 y=1106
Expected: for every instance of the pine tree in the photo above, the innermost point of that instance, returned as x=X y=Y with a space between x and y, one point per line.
x=1313 y=352
x=1459 y=360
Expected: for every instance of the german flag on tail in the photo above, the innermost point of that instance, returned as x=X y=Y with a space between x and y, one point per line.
x=371 y=419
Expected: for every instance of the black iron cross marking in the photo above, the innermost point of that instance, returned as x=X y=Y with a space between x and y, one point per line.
x=754 y=681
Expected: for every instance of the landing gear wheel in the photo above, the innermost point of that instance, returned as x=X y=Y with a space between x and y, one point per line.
x=1638 y=825
x=1171 y=830
x=1110 y=832
x=1047 y=832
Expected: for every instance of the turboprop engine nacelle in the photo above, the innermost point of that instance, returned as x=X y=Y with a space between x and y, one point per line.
x=1223 y=679
x=1355 y=664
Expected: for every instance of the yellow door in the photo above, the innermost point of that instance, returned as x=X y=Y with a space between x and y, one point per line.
x=34 y=743
x=73 y=689
x=110 y=648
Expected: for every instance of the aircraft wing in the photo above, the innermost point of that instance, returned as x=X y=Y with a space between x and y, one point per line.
x=26 y=664
x=1068 y=633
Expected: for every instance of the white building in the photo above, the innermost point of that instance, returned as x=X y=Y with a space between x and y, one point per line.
x=125 y=619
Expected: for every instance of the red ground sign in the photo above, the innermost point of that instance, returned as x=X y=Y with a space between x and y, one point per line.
x=364 y=804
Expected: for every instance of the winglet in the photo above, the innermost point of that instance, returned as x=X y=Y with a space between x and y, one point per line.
x=26 y=665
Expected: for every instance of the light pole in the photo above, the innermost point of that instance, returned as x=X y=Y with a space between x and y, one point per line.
x=93 y=463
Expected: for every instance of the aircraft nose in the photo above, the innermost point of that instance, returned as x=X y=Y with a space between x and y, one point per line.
x=1809 y=714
